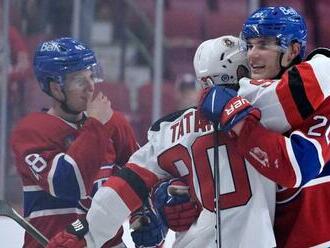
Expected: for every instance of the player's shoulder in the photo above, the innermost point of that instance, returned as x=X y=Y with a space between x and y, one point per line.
x=119 y=116
x=119 y=121
x=318 y=61
x=321 y=51
x=34 y=120
x=170 y=118
x=39 y=122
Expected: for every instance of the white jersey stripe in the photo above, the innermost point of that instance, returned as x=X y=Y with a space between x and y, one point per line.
x=49 y=212
x=294 y=162
x=31 y=188
x=322 y=64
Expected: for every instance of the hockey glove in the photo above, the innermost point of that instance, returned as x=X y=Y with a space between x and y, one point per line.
x=172 y=199
x=224 y=107
x=148 y=228
x=72 y=237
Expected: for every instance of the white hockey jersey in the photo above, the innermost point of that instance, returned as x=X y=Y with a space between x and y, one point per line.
x=181 y=145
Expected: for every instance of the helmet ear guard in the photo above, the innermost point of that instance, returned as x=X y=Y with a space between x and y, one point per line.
x=216 y=61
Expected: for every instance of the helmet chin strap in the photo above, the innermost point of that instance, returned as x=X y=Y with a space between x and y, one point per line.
x=66 y=108
x=295 y=61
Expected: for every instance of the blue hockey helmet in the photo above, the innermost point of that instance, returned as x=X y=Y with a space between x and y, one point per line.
x=283 y=23
x=54 y=59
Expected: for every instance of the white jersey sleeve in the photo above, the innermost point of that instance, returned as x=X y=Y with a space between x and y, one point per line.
x=262 y=94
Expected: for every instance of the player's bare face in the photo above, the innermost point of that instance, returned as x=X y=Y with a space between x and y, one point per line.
x=79 y=87
x=263 y=56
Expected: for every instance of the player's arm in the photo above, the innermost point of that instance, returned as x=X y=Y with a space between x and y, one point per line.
x=122 y=194
x=291 y=161
x=123 y=137
x=112 y=204
x=125 y=192
x=123 y=145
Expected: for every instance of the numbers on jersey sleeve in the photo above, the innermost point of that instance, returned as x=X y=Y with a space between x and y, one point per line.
x=201 y=157
x=318 y=129
x=327 y=133
x=36 y=162
x=322 y=121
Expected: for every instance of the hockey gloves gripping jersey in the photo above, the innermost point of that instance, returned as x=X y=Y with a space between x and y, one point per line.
x=225 y=108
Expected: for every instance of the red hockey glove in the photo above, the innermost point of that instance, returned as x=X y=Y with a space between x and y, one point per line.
x=181 y=216
x=72 y=237
x=172 y=200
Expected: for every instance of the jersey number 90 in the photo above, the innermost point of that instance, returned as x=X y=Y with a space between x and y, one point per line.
x=235 y=192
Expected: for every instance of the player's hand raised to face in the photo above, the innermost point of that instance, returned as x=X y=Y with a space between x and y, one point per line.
x=100 y=108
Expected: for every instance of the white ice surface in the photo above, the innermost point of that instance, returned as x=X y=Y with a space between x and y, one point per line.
x=12 y=235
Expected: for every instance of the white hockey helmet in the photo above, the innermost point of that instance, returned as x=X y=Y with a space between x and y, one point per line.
x=220 y=61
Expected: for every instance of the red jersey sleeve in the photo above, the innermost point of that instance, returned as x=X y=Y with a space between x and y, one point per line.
x=123 y=137
x=290 y=161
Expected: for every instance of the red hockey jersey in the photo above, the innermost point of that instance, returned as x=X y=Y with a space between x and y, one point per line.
x=62 y=166
x=299 y=162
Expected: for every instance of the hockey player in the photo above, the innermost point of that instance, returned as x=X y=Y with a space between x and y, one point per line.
x=64 y=154
x=180 y=145
x=292 y=95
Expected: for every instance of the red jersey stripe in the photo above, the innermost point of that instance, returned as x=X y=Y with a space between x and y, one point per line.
x=149 y=178
x=311 y=85
x=285 y=97
x=126 y=193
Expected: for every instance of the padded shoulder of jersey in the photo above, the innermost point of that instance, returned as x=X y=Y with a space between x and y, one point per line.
x=321 y=50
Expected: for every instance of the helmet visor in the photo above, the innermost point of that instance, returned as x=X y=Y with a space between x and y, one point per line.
x=97 y=72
